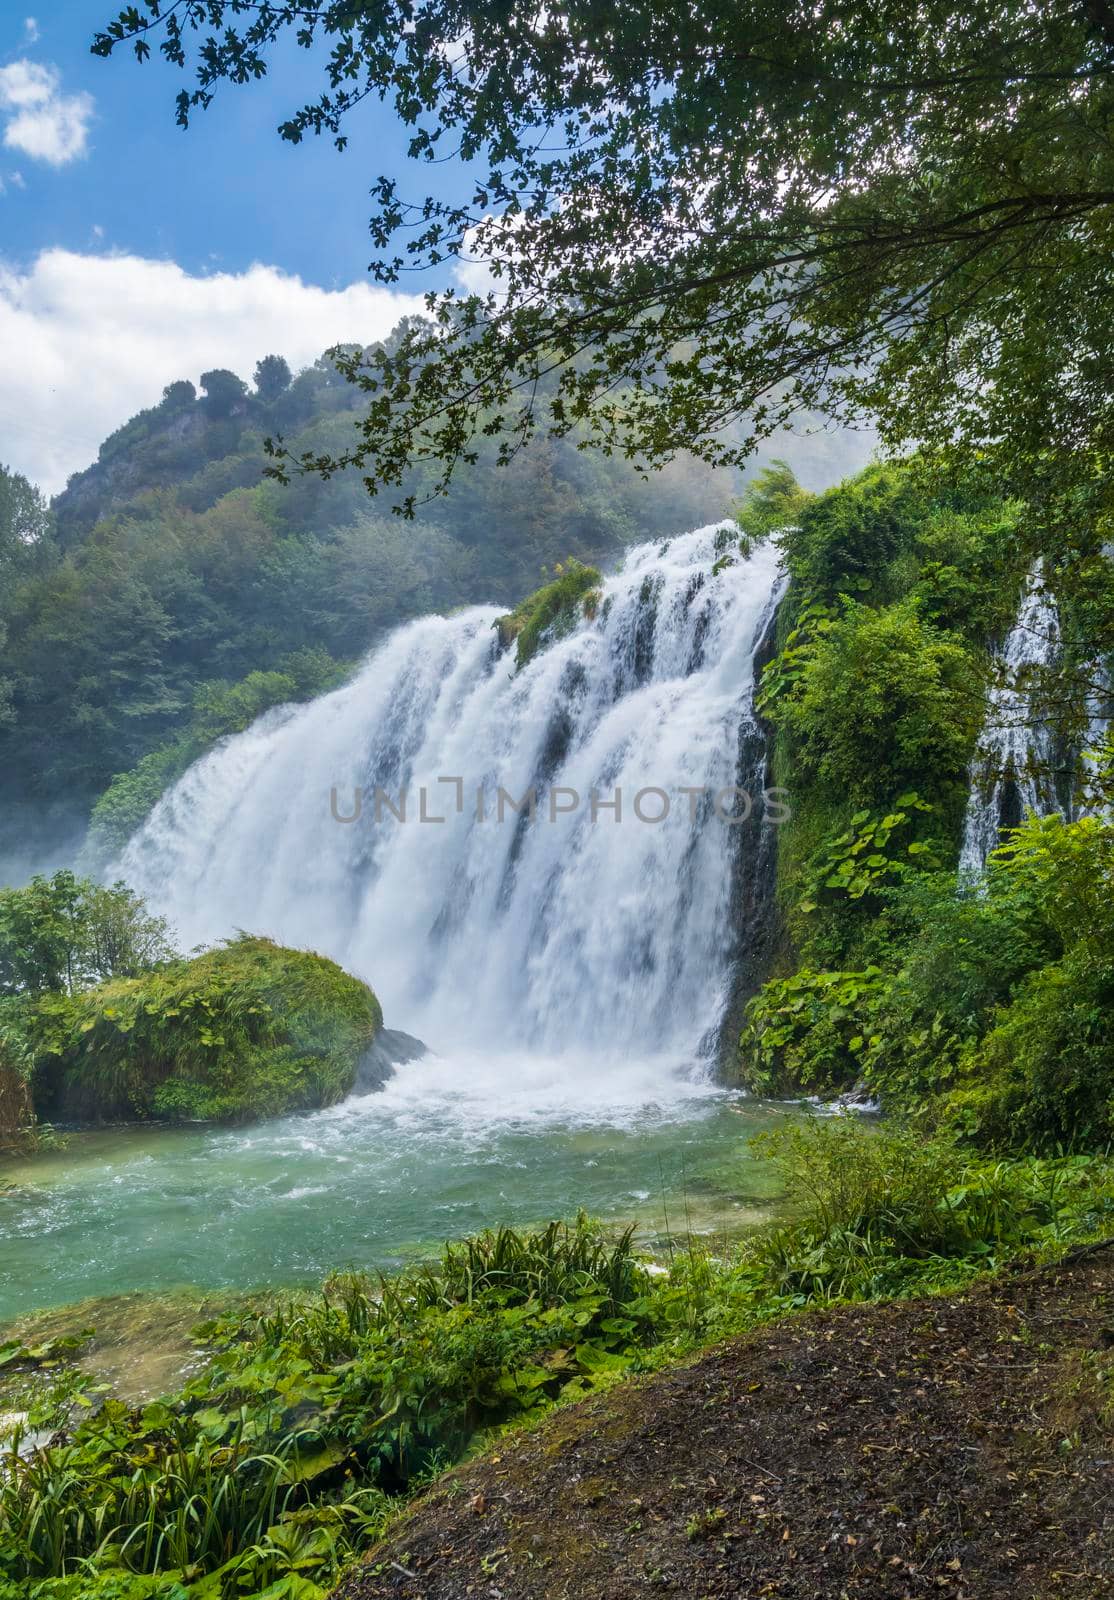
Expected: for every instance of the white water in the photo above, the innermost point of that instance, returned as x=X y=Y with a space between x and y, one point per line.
x=574 y=960
x=1014 y=758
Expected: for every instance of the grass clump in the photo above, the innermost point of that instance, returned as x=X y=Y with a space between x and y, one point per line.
x=249 y=1029
x=554 y=609
x=892 y=1212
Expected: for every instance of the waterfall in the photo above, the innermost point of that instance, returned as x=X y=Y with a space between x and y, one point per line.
x=581 y=927
x=1011 y=773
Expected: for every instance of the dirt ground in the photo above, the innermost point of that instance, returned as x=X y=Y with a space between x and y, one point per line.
x=955 y=1447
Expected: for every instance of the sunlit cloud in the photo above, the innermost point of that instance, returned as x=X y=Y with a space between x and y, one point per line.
x=87 y=340
x=38 y=118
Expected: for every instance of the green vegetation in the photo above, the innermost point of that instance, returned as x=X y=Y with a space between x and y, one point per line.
x=886 y=698
x=57 y=936
x=983 y=1008
x=246 y=1030
x=66 y=933
x=899 y=585
x=910 y=223
x=772 y=500
x=312 y=1417
x=100 y=1018
x=551 y=610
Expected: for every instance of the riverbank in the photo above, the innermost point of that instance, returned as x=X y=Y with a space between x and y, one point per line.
x=304 y=1424
x=957 y=1446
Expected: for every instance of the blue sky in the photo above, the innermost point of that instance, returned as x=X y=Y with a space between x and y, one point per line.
x=225 y=193
x=132 y=253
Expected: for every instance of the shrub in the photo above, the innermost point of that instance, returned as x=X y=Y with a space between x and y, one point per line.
x=985 y=1007
x=970 y=568
x=1043 y=1077
x=885 y=701
x=1065 y=870
x=846 y=539
x=132 y=796
x=247 y=1030
x=961 y=950
x=310 y=1407
x=883 y=1211
x=553 y=609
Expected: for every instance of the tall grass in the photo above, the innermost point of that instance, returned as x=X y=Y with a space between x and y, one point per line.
x=871 y=1211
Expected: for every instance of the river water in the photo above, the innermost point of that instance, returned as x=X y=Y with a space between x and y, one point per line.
x=452 y=1145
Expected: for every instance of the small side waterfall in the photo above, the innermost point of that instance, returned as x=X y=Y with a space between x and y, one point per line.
x=602 y=921
x=1011 y=773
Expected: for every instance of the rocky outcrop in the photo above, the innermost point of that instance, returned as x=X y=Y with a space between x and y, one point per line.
x=392 y=1048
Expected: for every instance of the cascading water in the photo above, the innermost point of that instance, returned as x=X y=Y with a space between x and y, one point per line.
x=564 y=972
x=585 y=930
x=1011 y=773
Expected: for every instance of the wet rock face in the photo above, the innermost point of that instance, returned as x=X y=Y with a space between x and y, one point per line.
x=392 y=1048
x=755 y=919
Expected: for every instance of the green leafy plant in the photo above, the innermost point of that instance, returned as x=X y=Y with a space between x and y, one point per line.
x=867 y=856
x=810 y=1031
x=553 y=609
x=783 y=675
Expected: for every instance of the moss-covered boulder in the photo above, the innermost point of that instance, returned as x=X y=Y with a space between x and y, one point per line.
x=249 y=1029
x=554 y=609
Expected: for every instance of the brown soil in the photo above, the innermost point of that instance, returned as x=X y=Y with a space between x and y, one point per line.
x=957 y=1447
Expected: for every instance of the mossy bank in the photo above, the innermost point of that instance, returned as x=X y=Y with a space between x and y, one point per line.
x=249 y=1029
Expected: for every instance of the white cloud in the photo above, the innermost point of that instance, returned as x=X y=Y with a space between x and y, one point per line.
x=30 y=30
x=38 y=118
x=88 y=340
